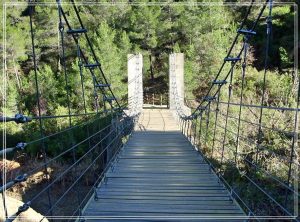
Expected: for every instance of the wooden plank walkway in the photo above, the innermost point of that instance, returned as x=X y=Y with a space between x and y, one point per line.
x=159 y=174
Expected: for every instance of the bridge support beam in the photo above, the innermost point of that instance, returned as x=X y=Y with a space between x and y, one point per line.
x=135 y=82
x=176 y=83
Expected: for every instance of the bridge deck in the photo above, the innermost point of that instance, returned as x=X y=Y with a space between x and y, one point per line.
x=160 y=174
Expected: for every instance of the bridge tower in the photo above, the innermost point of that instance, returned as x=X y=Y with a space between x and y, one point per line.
x=176 y=83
x=135 y=82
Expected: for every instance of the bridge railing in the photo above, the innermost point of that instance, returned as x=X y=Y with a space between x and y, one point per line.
x=81 y=153
x=156 y=99
x=250 y=144
x=89 y=157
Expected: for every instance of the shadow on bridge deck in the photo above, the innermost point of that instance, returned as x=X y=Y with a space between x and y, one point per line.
x=159 y=176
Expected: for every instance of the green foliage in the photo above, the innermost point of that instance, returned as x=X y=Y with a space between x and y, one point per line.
x=202 y=33
x=110 y=56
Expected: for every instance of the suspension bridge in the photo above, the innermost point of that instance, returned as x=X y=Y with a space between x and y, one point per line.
x=166 y=162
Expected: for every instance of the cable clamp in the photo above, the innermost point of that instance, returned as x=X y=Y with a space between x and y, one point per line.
x=101 y=85
x=92 y=66
x=246 y=32
x=61 y=27
x=109 y=99
x=19 y=118
x=232 y=59
x=20 y=178
x=24 y=207
x=21 y=145
x=219 y=82
x=76 y=31
x=194 y=116
x=269 y=20
x=209 y=98
x=95 y=194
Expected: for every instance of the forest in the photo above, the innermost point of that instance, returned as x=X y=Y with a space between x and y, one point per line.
x=202 y=31
x=120 y=29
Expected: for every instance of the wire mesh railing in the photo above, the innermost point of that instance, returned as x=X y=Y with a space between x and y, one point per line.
x=251 y=145
x=71 y=161
x=156 y=99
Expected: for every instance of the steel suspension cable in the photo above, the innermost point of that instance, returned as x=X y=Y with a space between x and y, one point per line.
x=228 y=103
x=223 y=64
x=200 y=129
x=22 y=145
x=216 y=120
x=85 y=61
x=295 y=146
x=244 y=64
x=84 y=172
x=81 y=76
x=38 y=100
x=228 y=53
x=269 y=27
x=207 y=123
x=80 y=64
x=93 y=51
x=63 y=60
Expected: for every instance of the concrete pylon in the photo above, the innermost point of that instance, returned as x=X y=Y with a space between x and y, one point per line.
x=135 y=82
x=176 y=83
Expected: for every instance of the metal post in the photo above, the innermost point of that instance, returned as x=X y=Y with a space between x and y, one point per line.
x=153 y=99
x=200 y=130
x=207 y=123
x=216 y=120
